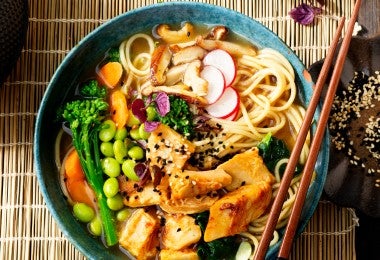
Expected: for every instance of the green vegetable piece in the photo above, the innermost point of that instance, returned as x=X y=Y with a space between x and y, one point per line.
x=84 y=118
x=272 y=150
x=180 y=117
x=120 y=150
x=151 y=114
x=111 y=187
x=244 y=251
x=106 y=148
x=83 y=212
x=93 y=89
x=128 y=168
x=142 y=133
x=108 y=131
x=111 y=167
x=132 y=120
x=123 y=214
x=135 y=134
x=136 y=153
x=222 y=248
x=121 y=133
x=95 y=226
x=114 y=55
x=115 y=202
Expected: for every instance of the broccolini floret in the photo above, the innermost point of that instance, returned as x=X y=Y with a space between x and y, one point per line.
x=92 y=89
x=113 y=54
x=84 y=117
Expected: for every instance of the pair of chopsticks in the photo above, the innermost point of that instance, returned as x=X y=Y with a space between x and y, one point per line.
x=315 y=146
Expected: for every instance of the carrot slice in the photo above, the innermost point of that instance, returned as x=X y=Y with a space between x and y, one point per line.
x=119 y=109
x=110 y=74
x=73 y=168
x=76 y=184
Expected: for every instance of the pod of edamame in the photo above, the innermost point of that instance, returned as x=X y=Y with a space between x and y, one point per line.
x=83 y=212
x=111 y=187
x=119 y=150
x=123 y=214
x=115 y=202
x=128 y=168
x=107 y=131
x=136 y=153
x=110 y=166
x=121 y=133
x=106 y=148
x=95 y=226
x=143 y=134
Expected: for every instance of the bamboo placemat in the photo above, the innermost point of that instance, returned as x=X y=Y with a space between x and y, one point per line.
x=55 y=26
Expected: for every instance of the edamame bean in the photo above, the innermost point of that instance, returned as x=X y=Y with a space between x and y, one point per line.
x=83 y=212
x=132 y=120
x=106 y=148
x=115 y=202
x=119 y=150
x=128 y=168
x=143 y=134
x=95 y=226
x=121 y=133
x=135 y=134
x=123 y=214
x=111 y=187
x=151 y=113
x=136 y=153
x=110 y=166
x=108 y=130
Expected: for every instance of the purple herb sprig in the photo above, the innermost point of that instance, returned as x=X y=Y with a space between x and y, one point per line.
x=305 y=13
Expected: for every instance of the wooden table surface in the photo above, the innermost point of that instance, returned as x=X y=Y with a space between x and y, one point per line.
x=369 y=16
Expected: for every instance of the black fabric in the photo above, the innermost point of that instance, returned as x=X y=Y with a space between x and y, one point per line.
x=367 y=238
x=13 y=27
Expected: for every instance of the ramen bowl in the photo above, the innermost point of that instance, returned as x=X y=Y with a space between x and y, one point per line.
x=82 y=60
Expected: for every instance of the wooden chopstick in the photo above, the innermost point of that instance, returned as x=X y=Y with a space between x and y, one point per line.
x=307 y=174
x=317 y=139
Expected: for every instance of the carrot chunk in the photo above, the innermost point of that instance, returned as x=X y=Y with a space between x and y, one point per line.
x=111 y=73
x=76 y=183
x=119 y=109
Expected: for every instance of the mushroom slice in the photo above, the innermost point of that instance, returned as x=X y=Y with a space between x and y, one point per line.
x=230 y=47
x=161 y=58
x=188 y=54
x=192 y=79
x=179 y=90
x=170 y=36
x=175 y=74
x=219 y=32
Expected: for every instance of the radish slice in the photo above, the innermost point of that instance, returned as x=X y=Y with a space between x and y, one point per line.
x=225 y=105
x=224 y=62
x=215 y=80
x=233 y=116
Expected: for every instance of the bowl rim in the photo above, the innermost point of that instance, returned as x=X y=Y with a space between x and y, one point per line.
x=296 y=64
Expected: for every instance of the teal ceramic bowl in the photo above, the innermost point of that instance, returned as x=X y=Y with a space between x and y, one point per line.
x=89 y=52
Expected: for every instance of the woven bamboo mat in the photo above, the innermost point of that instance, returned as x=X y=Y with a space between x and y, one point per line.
x=55 y=26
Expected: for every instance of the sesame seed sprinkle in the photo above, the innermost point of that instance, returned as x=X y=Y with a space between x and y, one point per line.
x=354 y=122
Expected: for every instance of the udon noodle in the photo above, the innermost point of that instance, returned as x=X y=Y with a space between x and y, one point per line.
x=267 y=89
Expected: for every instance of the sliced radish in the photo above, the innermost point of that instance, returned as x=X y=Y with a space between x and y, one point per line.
x=225 y=105
x=215 y=81
x=224 y=62
x=233 y=116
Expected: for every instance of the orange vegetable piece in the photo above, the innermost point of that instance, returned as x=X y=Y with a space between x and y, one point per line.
x=119 y=109
x=110 y=74
x=76 y=183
